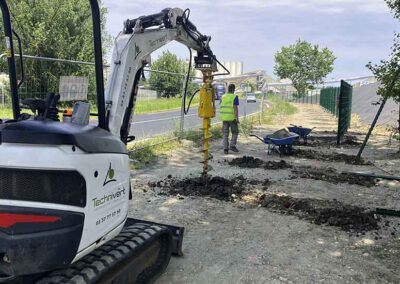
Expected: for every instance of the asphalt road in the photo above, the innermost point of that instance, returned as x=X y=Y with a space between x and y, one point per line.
x=153 y=124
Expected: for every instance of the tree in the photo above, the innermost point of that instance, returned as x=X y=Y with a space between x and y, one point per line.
x=388 y=71
x=56 y=29
x=304 y=64
x=169 y=85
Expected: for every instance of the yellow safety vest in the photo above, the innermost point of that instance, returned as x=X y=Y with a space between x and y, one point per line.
x=227 y=111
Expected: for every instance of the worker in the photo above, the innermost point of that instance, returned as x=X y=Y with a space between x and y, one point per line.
x=229 y=115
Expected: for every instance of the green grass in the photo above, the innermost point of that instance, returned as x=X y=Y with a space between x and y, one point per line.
x=148 y=152
x=162 y=104
x=279 y=107
x=196 y=135
x=6 y=112
x=142 y=106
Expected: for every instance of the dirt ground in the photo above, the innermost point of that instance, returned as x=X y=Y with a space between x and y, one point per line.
x=268 y=219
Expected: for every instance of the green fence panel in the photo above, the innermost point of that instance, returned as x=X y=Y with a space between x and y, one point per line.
x=345 y=102
x=328 y=99
x=338 y=101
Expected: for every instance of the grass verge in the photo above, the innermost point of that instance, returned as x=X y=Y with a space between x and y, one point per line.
x=196 y=135
x=162 y=104
x=148 y=152
x=279 y=108
x=142 y=106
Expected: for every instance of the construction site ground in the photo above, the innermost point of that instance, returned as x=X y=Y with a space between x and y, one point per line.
x=262 y=220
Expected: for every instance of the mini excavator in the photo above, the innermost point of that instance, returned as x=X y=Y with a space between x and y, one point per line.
x=65 y=186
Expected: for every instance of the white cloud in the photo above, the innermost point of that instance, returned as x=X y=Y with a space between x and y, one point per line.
x=357 y=31
x=375 y=6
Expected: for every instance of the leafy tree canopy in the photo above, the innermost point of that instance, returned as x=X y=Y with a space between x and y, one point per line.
x=56 y=29
x=304 y=64
x=168 y=85
x=388 y=71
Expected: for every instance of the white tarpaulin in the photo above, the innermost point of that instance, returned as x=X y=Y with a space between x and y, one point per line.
x=73 y=88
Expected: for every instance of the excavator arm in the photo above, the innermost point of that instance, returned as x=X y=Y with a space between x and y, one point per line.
x=133 y=47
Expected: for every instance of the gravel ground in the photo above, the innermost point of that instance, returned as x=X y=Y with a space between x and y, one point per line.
x=243 y=239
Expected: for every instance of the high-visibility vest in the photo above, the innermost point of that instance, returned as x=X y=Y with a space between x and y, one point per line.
x=227 y=111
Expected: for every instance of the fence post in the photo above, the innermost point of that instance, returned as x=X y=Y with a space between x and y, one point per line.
x=262 y=106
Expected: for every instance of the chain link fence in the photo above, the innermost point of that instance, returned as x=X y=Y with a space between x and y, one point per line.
x=312 y=97
x=153 y=113
x=74 y=80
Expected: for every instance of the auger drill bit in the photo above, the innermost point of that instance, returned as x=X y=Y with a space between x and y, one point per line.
x=206 y=111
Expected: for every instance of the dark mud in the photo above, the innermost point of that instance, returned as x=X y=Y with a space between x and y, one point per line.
x=320 y=212
x=216 y=187
x=324 y=212
x=333 y=157
x=331 y=175
x=331 y=141
x=251 y=162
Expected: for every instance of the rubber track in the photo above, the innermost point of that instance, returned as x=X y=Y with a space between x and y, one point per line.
x=132 y=240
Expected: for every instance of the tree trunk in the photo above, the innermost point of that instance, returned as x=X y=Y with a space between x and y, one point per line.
x=398 y=129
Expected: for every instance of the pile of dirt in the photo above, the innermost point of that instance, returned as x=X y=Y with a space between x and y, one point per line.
x=323 y=212
x=331 y=175
x=247 y=162
x=333 y=157
x=216 y=187
x=328 y=141
x=272 y=165
x=251 y=162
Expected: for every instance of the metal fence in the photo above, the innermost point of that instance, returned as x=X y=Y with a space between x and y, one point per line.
x=74 y=79
x=43 y=75
x=329 y=99
x=312 y=97
x=338 y=101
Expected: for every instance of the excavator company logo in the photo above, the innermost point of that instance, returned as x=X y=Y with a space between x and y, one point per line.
x=158 y=41
x=108 y=198
x=137 y=51
x=110 y=176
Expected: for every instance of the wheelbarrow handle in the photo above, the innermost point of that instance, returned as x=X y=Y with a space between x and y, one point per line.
x=258 y=137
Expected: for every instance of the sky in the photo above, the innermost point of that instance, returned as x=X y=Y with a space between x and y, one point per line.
x=252 y=31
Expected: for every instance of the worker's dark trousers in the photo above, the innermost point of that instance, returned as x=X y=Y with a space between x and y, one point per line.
x=233 y=125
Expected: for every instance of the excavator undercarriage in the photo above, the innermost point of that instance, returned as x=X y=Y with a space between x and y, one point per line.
x=139 y=254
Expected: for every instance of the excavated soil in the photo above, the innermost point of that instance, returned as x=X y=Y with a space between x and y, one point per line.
x=331 y=175
x=320 y=212
x=251 y=162
x=327 y=141
x=333 y=157
x=216 y=187
x=323 y=212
